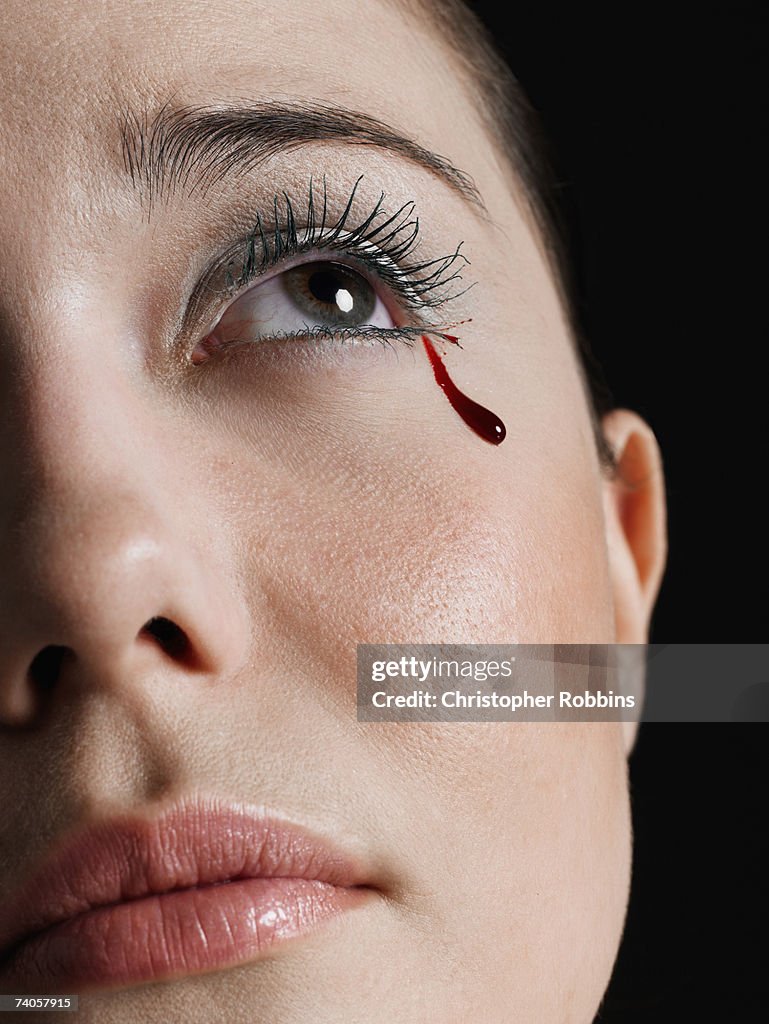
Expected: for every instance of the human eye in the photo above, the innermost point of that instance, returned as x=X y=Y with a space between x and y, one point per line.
x=311 y=278
x=311 y=299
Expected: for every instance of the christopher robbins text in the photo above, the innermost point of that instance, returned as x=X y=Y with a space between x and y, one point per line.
x=509 y=701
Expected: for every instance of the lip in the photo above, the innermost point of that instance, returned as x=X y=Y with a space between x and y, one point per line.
x=203 y=886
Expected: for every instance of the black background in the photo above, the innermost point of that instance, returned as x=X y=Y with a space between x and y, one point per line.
x=656 y=116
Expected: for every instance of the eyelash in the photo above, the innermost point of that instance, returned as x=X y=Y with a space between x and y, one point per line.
x=381 y=243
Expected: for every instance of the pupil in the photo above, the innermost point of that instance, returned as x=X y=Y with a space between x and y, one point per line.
x=324 y=285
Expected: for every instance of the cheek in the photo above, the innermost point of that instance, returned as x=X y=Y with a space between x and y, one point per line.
x=400 y=559
x=470 y=544
x=558 y=548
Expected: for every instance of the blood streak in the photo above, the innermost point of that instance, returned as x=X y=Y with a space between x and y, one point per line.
x=483 y=421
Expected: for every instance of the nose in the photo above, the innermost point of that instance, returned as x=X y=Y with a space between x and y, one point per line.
x=111 y=577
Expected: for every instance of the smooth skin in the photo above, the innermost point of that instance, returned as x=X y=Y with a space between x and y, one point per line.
x=281 y=509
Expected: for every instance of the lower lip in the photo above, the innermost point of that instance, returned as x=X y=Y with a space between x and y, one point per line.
x=189 y=931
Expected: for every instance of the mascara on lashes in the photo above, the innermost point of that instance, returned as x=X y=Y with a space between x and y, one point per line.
x=381 y=242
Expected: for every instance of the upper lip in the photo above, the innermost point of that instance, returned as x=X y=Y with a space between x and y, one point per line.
x=201 y=841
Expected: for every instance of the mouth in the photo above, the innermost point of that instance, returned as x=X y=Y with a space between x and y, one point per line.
x=205 y=886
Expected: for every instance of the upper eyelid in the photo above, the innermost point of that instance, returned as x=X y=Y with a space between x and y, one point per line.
x=394 y=235
x=346 y=258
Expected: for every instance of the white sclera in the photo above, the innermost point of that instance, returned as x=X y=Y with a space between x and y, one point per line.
x=271 y=308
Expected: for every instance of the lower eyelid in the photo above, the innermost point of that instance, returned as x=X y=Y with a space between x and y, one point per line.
x=407 y=336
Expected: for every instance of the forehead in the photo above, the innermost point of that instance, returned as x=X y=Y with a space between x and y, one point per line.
x=71 y=70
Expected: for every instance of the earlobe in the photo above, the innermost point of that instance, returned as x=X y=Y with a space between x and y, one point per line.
x=636 y=523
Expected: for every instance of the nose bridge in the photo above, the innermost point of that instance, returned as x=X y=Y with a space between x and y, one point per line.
x=76 y=428
x=83 y=511
x=97 y=540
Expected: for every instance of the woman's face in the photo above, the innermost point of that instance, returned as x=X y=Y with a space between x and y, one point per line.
x=281 y=501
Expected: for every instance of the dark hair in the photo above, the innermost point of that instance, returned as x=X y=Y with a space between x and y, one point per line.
x=516 y=130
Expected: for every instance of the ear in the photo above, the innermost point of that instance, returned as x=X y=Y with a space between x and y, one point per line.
x=636 y=523
x=636 y=531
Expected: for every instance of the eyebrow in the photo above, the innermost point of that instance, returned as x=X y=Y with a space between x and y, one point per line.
x=193 y=148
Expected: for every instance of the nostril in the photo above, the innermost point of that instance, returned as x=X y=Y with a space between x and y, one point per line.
x=46 y=667
x=169 y=636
